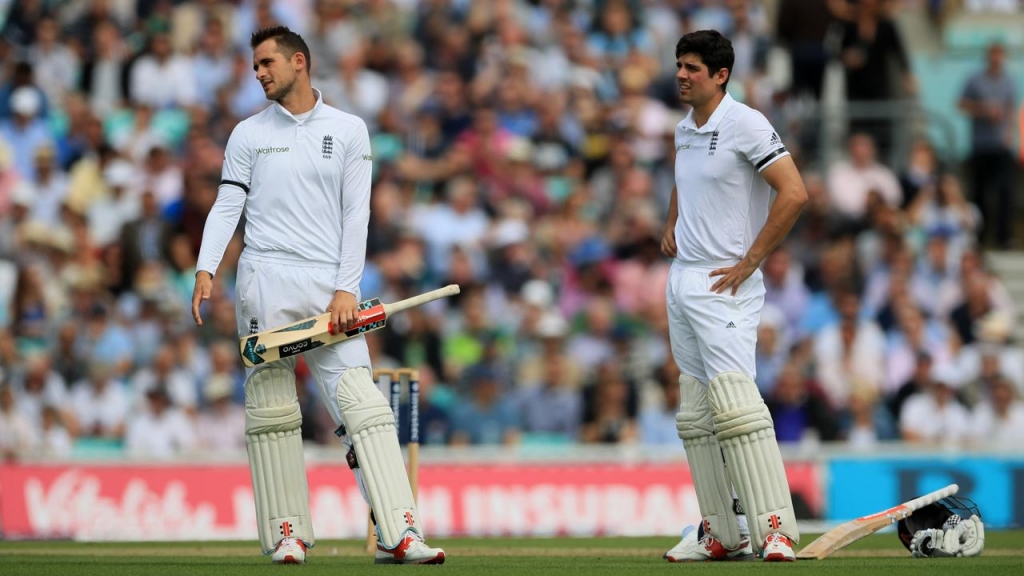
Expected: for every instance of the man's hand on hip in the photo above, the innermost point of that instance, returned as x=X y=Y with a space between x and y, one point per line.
x=668 y=241
x=344 y=311
x=201 y=292
x=732 y=277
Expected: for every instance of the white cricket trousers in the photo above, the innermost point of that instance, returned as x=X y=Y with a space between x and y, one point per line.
x=273 y=291
x=712 y=333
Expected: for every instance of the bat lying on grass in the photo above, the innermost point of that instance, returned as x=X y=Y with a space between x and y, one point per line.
x=316 y=331
x=849 y=532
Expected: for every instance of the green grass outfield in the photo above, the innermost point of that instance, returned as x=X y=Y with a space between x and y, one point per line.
x=876 y=555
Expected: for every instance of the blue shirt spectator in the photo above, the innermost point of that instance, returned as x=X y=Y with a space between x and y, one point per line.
x=487 y=417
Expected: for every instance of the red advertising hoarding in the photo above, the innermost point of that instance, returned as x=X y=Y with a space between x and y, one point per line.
x=208 y=502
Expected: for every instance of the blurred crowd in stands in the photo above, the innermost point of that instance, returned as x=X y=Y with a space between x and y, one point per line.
x=523 y=149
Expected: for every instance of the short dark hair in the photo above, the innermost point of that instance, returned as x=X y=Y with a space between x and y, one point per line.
x=288 y=42
x=715 y=50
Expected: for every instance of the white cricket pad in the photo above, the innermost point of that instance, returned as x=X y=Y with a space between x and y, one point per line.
x=747 y=435
x=273 y=437
x=696 y=428
x=370 y=424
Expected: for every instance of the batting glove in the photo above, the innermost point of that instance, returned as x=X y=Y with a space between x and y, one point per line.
x=957 y=537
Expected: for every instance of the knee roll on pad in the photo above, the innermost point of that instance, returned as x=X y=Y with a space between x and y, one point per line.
x=747 y=435
x=695 y=424
x=370 y=424
x=273 y=439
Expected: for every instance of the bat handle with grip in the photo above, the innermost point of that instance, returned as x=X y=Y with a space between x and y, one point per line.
x=932 y=497
x=449 y=290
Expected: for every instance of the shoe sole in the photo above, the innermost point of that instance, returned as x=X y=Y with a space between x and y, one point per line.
x=439 y=559
x=740 y=558
x=779 y=558
x=290 y=560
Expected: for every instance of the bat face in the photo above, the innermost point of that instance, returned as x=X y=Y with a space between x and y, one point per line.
x=311 y=333
x=308 y=334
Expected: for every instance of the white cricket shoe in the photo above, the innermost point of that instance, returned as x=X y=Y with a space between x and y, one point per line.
x=411 y=550
x=289 y=551
x=706 y=548
x=777 y=548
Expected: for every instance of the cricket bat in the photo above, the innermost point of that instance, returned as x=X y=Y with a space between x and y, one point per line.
x=316 y=331
x=849 y=532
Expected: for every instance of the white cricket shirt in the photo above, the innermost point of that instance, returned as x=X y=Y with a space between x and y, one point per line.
x=723 y=201
x=305 y=187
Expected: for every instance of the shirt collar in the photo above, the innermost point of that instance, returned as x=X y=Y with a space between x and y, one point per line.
x=716 y=116
x=316 y=106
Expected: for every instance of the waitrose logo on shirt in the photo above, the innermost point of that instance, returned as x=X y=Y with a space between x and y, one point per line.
x=272 y=150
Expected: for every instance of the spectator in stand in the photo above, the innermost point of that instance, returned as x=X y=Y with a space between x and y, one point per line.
x=971 y=263
x=487 y=416
x=988 y=100
x=799 y=408
x=355 y=88
x=656 y=423
x=609 y=415
x=998 y=422
x=49 y=187
x=220 y=425
x=871 y=43
x=213 y=62
x=992 y=353
x=942 y=206
x=144 y=240
x=104 y=75
x=458 y=221
x=934 y=416
x=977 y=302
x=17 y=435
x=165 y=374
x=25 y=131
x=920 y=381
x=101 y=403
x=848 y=351
x=104 y=340
x=54 y=439
x=159 y=430
x=802 y=28
x=772 y=349
x=852 y=181
x=815 y=230
x=837 y=272
x=551 y=409
x=866 y=421
x=55 y=64
x=21 y=77
x=161 y=78
x=923 y=170
x=39 y=386
x=617 y=33
x=592 y=344
x=934 y=267
x=785 y=288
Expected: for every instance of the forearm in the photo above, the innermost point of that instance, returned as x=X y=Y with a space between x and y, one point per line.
x=673 y=210
x=355 y=214
x=220 y=227
x=781 y=218
x=353 y=252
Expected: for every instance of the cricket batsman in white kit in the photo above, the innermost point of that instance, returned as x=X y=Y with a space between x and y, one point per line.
x=301 y=171
x=722 y=223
